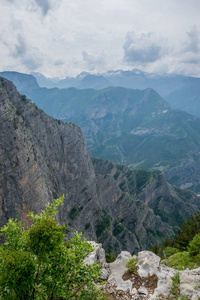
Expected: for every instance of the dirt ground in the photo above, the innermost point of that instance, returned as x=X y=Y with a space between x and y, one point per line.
x=149 y=283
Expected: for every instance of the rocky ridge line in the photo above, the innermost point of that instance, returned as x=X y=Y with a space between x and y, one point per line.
x=42 y=158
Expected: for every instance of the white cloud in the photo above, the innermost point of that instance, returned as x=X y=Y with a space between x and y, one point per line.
x=65 y=37
x=141 y=48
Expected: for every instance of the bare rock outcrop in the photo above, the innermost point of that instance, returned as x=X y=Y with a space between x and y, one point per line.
x=151 y=280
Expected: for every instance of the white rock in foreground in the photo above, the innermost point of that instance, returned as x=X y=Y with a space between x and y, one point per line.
x=190 y=283
x=149 y=265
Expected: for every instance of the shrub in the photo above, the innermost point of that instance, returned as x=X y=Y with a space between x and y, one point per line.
x=132 y=265
x=169 y=251
x=194 y=245
x=36 y=263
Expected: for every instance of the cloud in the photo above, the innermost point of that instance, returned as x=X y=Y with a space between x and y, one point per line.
x=93 y=61
x=20 y=47
x=59 y=62
x=7 y=2
x=30 y=57
x=193 y=40
x=71 y=36
x=189 y=52
x=44 y=5
x=141 y=48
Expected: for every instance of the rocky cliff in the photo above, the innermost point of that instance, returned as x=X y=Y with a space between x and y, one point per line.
x=134 y=127
x=42 y=158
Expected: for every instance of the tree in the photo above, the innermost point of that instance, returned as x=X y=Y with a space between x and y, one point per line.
x=37 y=263
x=187 y=231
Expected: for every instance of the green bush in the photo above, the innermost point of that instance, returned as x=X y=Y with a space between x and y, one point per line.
x=36 y=263
x=132 y=265
x=155 y=249
x=169 y=251
x=194 y=245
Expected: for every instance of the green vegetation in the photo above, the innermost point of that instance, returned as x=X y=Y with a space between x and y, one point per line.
x=36 y=263
x=187 y=231
x=75 y=211
x=175 y=290
x=194 y=245
x=175 y=285
x=88 y=225
x=184 y=250
x=142 y=177
x=132 y=265
x=169 y=251
x=182 y=260
x=103 y=225
x=118 y=228
x=111 y=257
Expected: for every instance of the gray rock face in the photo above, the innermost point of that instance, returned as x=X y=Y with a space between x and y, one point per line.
x=189 y=283
x=139 y=126
x=152 y=281
x=97 y=256
x=42 y=158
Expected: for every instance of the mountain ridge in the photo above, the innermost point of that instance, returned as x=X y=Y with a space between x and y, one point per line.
x=180 y=91
x=134 y=127
x=42 y=158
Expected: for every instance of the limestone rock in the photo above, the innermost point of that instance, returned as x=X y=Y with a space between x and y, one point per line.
x=152 y=280
x=148 y=263
x=190 y=283
x=42 y=158
x=97 y=256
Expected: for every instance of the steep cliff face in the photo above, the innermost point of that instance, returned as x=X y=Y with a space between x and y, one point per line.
x=42 y=158
x=133 y=127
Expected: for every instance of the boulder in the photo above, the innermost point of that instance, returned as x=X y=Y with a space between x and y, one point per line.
x=190 y=283
x=151 y=281
x=97 y=256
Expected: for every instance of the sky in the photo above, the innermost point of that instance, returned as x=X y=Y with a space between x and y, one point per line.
x=60 y=38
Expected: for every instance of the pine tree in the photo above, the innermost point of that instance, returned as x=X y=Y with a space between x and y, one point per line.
x=187 y=231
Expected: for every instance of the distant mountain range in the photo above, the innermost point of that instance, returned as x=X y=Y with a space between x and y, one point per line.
x=133 y=127
x=182 y=92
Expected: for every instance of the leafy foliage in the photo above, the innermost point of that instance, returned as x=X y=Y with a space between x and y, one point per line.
x=37 y=263
x=169 y=251
x=194 y=245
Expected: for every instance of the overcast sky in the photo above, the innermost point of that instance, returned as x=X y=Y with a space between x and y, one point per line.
x=60 y=38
